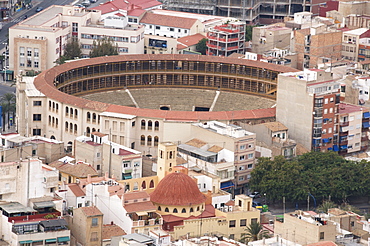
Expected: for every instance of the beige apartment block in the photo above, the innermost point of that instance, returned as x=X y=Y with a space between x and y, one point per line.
x=266 y=38
x=37 y=42
x=351 y=42
x=304 y=228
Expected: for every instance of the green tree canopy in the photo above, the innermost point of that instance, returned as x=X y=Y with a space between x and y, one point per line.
x=103 y=47
x=202 y=46
x=72 y=50
x=321 y=174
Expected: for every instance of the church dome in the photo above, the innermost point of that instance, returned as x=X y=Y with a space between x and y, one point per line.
x=177 y=189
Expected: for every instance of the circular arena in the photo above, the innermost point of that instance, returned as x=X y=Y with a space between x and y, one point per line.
x=86 y=95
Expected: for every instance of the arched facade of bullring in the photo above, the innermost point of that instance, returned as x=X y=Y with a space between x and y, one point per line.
x=50 y=104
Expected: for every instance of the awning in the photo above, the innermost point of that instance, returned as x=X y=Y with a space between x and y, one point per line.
x=226 y=185
x=343 y=147
x=127 y=176
x=325 y=140
x=47 y=204
x=24 y=242
x=326 y=119
x=330 y=148
x=142 y=213
x=63 y=239
x=52 y=240
x=335 y=148
x=366 y=115
x=366 y=125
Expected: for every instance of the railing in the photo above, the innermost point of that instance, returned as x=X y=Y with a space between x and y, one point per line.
x=344 y=123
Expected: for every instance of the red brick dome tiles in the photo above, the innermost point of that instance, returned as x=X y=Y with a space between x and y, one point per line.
x=177 y=189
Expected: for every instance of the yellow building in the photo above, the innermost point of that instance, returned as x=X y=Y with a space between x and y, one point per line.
x=72 y=173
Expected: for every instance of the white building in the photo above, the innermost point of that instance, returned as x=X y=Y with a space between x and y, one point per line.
x=26 y=179
x=37 y=42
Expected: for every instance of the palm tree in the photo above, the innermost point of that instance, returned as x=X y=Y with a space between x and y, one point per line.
x=254 y=232
x=8 y=104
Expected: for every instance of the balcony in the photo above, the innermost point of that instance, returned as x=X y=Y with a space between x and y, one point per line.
x=344 y=123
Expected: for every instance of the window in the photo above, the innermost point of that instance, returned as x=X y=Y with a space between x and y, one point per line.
x=242 y=157
x=157 y=27
x=94 y=222
x=29 y=51
x=36 y=117
x=185 y=31
x=172 y=29
x=250 y=166
x=36 y=103
x=322 y=235
x=242 y=146
x=254 y=220
x=21 y=51
x=243 y=222
x=250 y=156
x=36 y=63
x=74 y=27
x=232 y=223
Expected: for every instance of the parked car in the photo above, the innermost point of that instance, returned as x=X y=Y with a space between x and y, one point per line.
x=38 y=9
x=256 y=204
x=86 y=3
x=255 y=194
x=93 y=1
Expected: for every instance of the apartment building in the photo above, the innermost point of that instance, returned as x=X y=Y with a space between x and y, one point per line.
x=234 y=139
x=266 y=38
x=37 y=42
x=351 y=43
x=23 y=225
x=315 y=44
x=364 y=49
x=226 y=39
x=354 y=128
x=86 y=226
x=307 y=103
x=30 y=176
x=304 y=228
x=108 y=156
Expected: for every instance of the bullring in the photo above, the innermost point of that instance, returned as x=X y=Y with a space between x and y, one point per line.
x=65 y=114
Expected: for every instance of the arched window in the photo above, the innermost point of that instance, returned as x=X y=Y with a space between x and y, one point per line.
x=143 y=125
x=136 y=186
x=70 y=127
x=56 y=122
x=76 y=113
x=167 y=210
x=53 y=105
x=128 y=187
x=150 y=125
x=88 y=116
x=183 y=211
x=93 y=130
x=159 y=208
x=67 y=111
x=149 y=142
x=142 y=140
x=191 y=210
x=94 y=118
x=71 y=112
x=57 y=107
x=49 y=104
x=52 y=121
x=198 y=208
x=66 y=126
x=75 y=128
x=175 y=210
x=156 y=140
x=151 y=184
x=88 y=131
x=98 y=119
x=49 y=119
x=52 y=137
x=156 y=126
x=143 y=185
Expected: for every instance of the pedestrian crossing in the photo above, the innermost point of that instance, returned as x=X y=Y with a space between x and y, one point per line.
x=19 y=19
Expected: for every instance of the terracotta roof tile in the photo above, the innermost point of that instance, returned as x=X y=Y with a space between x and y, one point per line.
x=323 y=243
x=99 y=134
x=91 y=211
x=79 y=170
x=44 y=83
x=275 y=126
x=109 y=231
x=190 y=40
x=180 y=161
x=139 y=206
x=167 y=20
x=135 y=195
x=196 y=143
x=177 y=189
x=76 y=190
x=215 y=149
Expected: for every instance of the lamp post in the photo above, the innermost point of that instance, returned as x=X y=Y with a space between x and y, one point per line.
x=265 y=197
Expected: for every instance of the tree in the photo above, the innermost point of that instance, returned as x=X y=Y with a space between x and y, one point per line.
x=8 y=105
x=254 y=232
x=104 y=47
x=72 y=50
x=323 y=175
x=326 y=205
x=202 y=46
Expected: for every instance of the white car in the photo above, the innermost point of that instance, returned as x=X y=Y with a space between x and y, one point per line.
x=255 y=194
